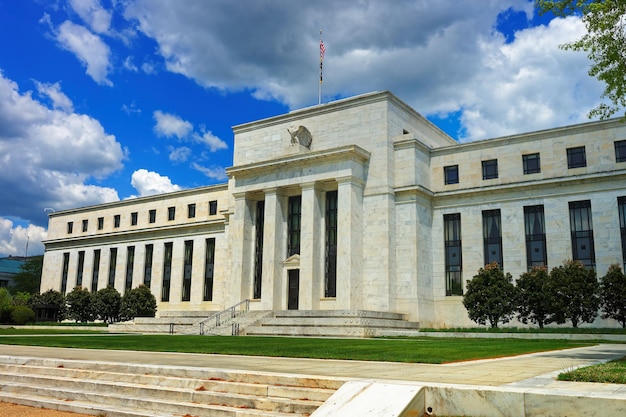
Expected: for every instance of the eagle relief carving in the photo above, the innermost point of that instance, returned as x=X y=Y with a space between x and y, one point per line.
x=301 y=136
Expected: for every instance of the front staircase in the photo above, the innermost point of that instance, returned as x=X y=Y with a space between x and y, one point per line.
x=133 y=390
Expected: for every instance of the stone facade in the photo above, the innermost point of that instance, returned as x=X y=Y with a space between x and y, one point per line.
x=360 y=218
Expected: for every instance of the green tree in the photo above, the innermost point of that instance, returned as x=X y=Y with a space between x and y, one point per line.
x=613 y=290
x=6 y=305
x=490 y=296
x=575 y=293
x=604 y=43
x=138 y=302
x=22 y=315
x=50 y=298
x=108 y=304
x=29 y=278
x=533 y=299
x=80 y=305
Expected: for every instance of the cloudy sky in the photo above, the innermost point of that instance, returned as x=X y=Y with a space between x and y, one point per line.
x=102 y=100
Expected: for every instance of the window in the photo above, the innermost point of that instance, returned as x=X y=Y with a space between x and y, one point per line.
x=576 y=157
x=187 y=264
x=620 y=151
x=453 y=253
x=85 y=225
x=534 y=224
x=451 y=174
x=492 y=236
x=70 y=227
x=330 y=287
x=79 y=270
x=532 y=164
x=130 y=263
x=95 y=273
x=294 y=212
x=209 y=264
x=112 y=266
x=171 y=213
x=167 y=272
x=116 y=220
x=213 y=207
x=152 y=216
x=621 y=208
x=66 y=267
x=490 y=169
x=582 y=233
x=100 y=223
x=147 y=265
x=191 y=211
x=258 y=251
x=133 y=218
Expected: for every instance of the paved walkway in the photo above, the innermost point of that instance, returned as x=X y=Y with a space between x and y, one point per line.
x=533 y=370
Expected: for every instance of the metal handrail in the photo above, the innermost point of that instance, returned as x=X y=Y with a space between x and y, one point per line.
x=232 y=310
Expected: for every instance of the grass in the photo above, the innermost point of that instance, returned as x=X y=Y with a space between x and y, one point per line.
x=412 y=350
x=549 y=330
x=60 y=330
x=611 y=372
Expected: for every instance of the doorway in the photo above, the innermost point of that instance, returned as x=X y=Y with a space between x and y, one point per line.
x=294 y=289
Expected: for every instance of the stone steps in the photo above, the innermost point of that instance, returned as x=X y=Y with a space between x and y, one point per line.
x=114 y=389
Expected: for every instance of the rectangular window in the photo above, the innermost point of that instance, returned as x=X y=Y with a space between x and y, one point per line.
x=66 y=267
x=167 y=272
x=576 y=157
x=453 y=253
x=490 y=169
x=191 y=211
x=209 y=267
x=620 y=151
x=212 y=208
x=532 y=163
x=130 y=263
x=116 y=221
x=147 y=265
x=188 y=261
x=330 y=287
x=85 y=225
x=581 y=227
x=79 y=270
x=152 y=216
x=70 y=227
x=451 y=174
x=621 y=208
x=133 y=218
x=95 y=273
x=258 y=250
x=100 y=223
x=171 y=213
x=492 y=236
x=112 y=266
x=534 y=224
x=294 y=212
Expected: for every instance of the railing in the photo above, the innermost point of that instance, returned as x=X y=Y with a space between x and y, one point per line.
x=225 y=316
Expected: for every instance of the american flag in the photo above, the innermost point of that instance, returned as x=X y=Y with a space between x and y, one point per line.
x=322 y=50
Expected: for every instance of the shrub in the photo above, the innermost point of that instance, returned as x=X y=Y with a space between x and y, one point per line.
x=80 y=305
x=108 y=303
x=533 y=298
x=50 y=298
x=22 y=315
x=138 y=302
x=575 y=293
x=613 y=293
x=490 y=296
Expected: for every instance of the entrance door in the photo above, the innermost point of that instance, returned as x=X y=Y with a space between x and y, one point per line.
x=294 y=289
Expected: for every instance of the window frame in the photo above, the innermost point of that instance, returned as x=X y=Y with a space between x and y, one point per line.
x=450 y=174
x=576 y=157
x=529 y=164
x=620 y=151
x=490 y=169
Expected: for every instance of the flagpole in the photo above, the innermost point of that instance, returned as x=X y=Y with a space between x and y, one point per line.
x=322 y=50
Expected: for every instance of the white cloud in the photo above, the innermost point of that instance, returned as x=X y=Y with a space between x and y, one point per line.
x=180 y=154
x=169 y=125
x=93 y=14
x=17 y=240
x=150 y=183
x=215 y=172
x=213 y=142
x=90 y=50
x=59 y=99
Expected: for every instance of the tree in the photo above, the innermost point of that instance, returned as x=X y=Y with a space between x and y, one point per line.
x=138 y=302
x=80 y=305
x=533 y=299
x=613 y=290
x=6 y=305
x=29 y=278
x=108 y=303
x=575 y=293
x=490 y=296
x=604 y=42
x=50 y=299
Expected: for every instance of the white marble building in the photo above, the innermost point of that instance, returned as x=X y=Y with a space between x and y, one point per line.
x=358 y=204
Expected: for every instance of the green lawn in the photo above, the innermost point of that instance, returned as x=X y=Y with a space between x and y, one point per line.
x=611 y=372
x=416 y=350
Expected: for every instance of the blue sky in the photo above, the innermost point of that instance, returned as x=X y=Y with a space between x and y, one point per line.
x=102 y=100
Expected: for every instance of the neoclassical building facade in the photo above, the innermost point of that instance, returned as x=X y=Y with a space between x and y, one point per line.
x=357 y=204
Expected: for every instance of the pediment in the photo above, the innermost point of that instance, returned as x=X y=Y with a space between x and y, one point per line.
x=292 y=261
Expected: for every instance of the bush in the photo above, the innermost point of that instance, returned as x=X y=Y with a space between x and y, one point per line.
x=80 y=305
x=50 y=298
x=138 y=302
x=22 y=315
x=613 y=292
x=108 y=304
x=533 y=299
x=490 y=296
x=575 y=293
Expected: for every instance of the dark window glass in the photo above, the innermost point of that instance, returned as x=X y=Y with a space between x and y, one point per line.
x=490 y=169
x=171 y=213
x=66 y=267
x=152 y=216
x=453 y=253
x=191 y=211
x=258 y=251
x=130 y=263
x=95 y=274
x=116 y=220
x=167 y=272
x=81 y=266
x=213 y=207
x=330 y=289
x=293 y=225
x=112 y=266
x=147 y=266
x=534 y=223
x=576 y=157
x=209 y=266
x=70 y=227
x=620 y=151
x=187 y=265
x=621 y=208
x=581 y=228
x=133 y=219
x=492 y=236
x=532 y=164
x=451 y=174
x=100 y=223
x=85 y=225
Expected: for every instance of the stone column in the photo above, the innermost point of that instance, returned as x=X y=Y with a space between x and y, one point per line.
x=241 y=230
x=311 y=255
x=274 y=295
